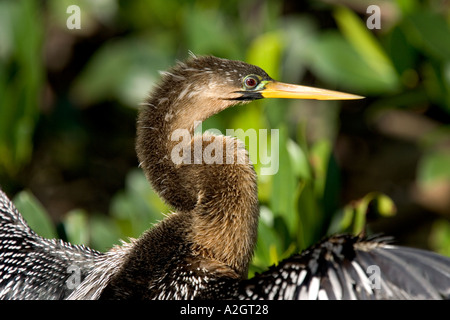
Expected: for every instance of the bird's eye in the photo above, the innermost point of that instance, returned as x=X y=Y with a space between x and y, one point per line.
x=251 y=82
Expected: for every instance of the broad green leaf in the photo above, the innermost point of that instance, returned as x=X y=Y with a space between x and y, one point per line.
x=137 y=207
x=246 y=126
x=104 y=233
x=35 y=215
x=309 y=214
x=320 y=154
x=76 y=226
x=364 y=42
x=336 y=61
x=403 y=56
x=201 y=29
x=332 y=192
x=284 y=183
x=269 y=244
x=299 y=160
x=21 y=78
x=265 y=52
x=117 y=73
x=342 y=221
x=429 y=33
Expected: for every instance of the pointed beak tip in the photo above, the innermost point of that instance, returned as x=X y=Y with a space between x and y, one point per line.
x=358 y=97
x=277 y=89
x=348 y=96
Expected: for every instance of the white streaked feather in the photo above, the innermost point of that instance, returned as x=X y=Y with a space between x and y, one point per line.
x=303 y=294
x=322 y=295
x=337 y=289
x=348 y=282
x=192 y=54
x=364 y=280
x=147 y=104
x=301 y=277
x=289 y=293
x=313 y=289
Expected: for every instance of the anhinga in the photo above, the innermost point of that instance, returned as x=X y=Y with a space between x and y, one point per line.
x=203 y=249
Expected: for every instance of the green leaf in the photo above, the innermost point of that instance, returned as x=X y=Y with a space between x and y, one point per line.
x=35 y=215
x=352 y=218
x=402 y=54
x=429 y=32
x=367 y=46
x=21 y=77
x=299 y=160
x=76 y=226
x=246 y=126
x=320 y=154
x=407 y=6
x=284 y=182
x=137 y=207
x=383 y=206
x=265 y=52
x=104 y=232
x=116 y=72
x=386 y=207
x=440 y=237
x=309 y=213
x=269 y=245
x=201 y=30
x=336 y=61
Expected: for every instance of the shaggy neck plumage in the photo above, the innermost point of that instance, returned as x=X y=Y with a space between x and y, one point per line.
x=221 y=198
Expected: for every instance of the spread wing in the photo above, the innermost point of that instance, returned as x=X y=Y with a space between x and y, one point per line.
x=345 y=267
x=32 y=267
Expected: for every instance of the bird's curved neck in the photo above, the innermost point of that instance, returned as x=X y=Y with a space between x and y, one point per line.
x=220 y=198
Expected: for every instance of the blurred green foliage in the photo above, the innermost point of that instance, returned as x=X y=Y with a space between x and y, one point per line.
x=405 y=66
x=21 y=79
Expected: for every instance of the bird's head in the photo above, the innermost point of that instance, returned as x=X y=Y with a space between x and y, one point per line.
x=237 y=81
x=205 y=85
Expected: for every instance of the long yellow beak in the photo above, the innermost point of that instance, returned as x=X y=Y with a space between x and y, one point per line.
x=275 y=89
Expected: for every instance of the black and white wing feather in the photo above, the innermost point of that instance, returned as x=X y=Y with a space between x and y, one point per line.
x=340 y=267
x=346 y=267
x=32 y=267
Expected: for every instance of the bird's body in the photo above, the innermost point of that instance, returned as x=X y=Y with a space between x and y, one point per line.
x=203 y=249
